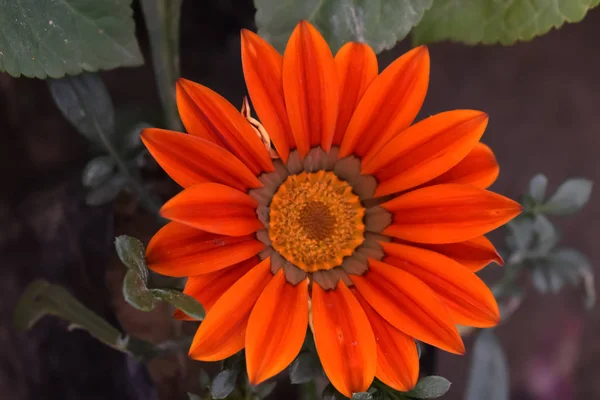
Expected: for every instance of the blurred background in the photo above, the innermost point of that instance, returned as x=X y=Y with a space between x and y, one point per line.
x=542 y=97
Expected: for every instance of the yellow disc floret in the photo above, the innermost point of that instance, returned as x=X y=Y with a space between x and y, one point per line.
x=315 y=220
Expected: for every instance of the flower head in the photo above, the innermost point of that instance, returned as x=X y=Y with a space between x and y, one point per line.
x=332 y=212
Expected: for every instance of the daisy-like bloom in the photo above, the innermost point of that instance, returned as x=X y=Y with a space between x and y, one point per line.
x=332 y=212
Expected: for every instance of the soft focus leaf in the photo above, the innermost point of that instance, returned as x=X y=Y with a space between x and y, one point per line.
x=182 y=301
x=224 y=383
x=574 y=266
x=264 y=389
x=430 y=387
x=362 y=396
x=305 y=368
x=493 y=21
x=537 y=188
x=488 y=377
x=192 y=396
x=540 y=279
x=97 y=171
x=41 y=38
x=546 y=236
x=331 y=393
x=162 y=20
x=42 y=298
x=86 y=104
x=569 y=198
x=379 y=23
x=107 y=191
x=521 y=234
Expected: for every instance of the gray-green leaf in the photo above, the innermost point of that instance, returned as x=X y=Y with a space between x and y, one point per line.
x=362 y=396
x=224 y=383
x=107 y=191
x=182 y=301
x=488 y=378
x=379 y=23
x=537 y=188
x=86 y=104
x=569 y=198
x=430 y=387
x=305 y=368
x=97 y=171
x=492 y=21
x=41 y=38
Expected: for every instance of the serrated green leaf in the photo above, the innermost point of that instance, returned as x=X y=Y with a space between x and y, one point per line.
x=488 y=376
x=379 y=23
x=97 y=171
x=52 y=38
x=86 y=104
x=537 y=188
x=492 y=21
x=430 y=387
x=224 y=383
x=182 y=301
x=305 y=368
x=569 y=198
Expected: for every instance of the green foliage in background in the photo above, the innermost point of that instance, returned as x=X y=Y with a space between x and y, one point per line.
x=52 y=38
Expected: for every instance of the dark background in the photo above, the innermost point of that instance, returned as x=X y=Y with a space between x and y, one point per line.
x=542 y=98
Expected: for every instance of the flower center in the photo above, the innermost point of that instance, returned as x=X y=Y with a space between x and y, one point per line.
x=315 y=220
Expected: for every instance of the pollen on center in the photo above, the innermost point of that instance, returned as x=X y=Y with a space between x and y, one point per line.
x=315 y=220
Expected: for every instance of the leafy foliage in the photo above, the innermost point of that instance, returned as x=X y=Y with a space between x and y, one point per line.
x=492 y=21
x=488 y=377
x=430 y=387
x=131 y=251
x=379 y=23
x=52 y=38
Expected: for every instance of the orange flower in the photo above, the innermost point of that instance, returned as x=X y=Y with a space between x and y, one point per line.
x=361 y=226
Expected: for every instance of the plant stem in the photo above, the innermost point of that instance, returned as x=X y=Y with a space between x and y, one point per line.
x=147 y=200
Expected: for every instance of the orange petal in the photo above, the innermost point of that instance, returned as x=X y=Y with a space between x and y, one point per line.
x=425 y=150
x=344 y=339
x=357 y=67
x=389 y=105
x=208 y=288
x=180 y=250
x=479 y=168
x=473 y=254
x=190 y=160
x=310 y=87
x=448 y=213
x=214 y=208
x=468 y=299
x=397 y=356
x=409 y=305
x=263 y=73
x=282 y=312
x=223 y=331
x=208 y=115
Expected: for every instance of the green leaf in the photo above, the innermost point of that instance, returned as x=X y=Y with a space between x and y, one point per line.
x=546 y=236
x=305 y=368
x=86 y=104
x=182 y=301
x=264 y=389
x=488 y=377
x=537 y=188
x=493 y=21
x=162 y=20
x=42 y=298
x=41 y=38
x=97 y=171
x=132 y=252
x=107 y=191
x=224 y=383
x=574 y=266
x=192 y=396
x=331 y=393
x=430 y=387
x=521 y=234
x=569 y=198
x=362 y=396
x=379 y=23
